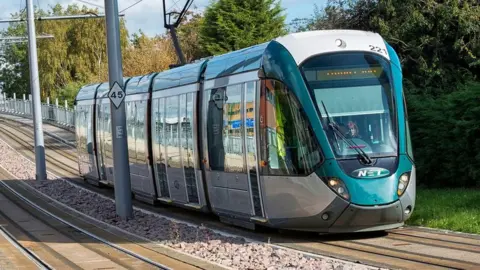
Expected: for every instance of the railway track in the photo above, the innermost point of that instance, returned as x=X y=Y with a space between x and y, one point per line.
x=14 y=255
x=404 y=248
x=56 y=242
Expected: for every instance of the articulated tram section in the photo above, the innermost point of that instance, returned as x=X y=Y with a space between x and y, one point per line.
x=291 y=154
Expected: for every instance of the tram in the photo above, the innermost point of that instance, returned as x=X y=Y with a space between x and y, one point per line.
x=308 y=132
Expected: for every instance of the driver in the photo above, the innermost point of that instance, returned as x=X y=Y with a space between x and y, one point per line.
x=353 y=129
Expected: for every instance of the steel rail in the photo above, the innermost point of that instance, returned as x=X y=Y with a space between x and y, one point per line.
x=104 y=241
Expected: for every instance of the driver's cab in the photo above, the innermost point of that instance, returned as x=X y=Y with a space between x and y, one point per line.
x=366 y=132
x=354 y=92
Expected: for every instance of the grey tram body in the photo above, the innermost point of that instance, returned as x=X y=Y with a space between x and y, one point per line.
x=175 y=131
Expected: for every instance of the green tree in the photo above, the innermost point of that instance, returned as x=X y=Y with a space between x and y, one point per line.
x=446 y=137
x=235 y=24
x=189 y=36
x=148 y=55
x=437 y=41
x=14 y=72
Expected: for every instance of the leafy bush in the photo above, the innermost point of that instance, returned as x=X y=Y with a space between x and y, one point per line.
x=446 y=137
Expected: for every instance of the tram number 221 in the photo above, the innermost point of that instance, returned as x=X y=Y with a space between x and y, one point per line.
x=377 y=49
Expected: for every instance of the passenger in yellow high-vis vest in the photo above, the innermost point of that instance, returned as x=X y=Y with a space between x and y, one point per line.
x=280 y=119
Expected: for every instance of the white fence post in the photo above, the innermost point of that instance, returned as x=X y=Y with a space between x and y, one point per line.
x=66 y=112
x=57 y=118
x=30 y=103
x=24 y=110
x=14 y=103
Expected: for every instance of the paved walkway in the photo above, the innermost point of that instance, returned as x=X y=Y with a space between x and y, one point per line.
x=61 y=134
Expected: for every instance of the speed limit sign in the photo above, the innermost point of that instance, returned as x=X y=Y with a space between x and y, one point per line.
x=116 y=95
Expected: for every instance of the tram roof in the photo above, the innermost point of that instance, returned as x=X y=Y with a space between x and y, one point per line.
x=103 y=89
x=139 y=84
x=98 y=90
x=179 y=76
x=87 y=92
x=235 y=62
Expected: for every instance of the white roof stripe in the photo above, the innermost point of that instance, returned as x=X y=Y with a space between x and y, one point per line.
x=305 y=44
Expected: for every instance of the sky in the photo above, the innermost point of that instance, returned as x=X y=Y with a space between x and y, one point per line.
x=147 y=14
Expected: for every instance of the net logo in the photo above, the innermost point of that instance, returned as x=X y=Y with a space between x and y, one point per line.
x=370 y=173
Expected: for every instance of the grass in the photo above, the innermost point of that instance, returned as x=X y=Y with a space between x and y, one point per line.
x=451 y=209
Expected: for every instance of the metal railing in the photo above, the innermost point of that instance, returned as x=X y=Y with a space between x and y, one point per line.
x=60 y=116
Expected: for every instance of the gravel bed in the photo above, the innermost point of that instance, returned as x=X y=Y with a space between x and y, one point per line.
x=234 y=252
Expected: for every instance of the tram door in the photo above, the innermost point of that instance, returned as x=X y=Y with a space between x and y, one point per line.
x=174 y=149
x=230 y=148
x=99 y=136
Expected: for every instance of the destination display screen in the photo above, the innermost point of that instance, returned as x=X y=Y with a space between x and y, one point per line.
x=343 y=73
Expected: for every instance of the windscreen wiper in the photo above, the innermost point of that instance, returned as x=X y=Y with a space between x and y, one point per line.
x=350 y=142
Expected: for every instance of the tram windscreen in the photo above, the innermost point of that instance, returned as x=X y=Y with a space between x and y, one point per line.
x=357 y=91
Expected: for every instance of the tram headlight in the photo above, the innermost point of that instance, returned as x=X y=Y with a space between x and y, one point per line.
x=338 y=187
x=403 y=183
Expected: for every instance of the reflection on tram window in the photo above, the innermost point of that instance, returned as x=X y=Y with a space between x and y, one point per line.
x=250 y=143
x=216 y=153
x=108 y=132
x=249 y=108
x=171 y=132
x=187 y=144
x=232 y=130
x=140 y=132
x=161 y=162
x=89 y=130
x=130 y=108
x=289 y=145
x=225 y=128
x=359 y=99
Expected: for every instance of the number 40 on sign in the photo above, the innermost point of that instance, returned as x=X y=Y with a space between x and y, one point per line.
x=116 y=95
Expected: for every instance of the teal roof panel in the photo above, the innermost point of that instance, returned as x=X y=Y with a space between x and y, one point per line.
x=235 y=62
x=179 y=76
x=87 y=92
x=102 y=91
x=139 y=84
x=144 y=83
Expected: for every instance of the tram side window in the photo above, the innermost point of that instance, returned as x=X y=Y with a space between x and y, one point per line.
x=140 y=131
x=407 y=127
x=214 y=114
x=225 y=129
x=89 y=129
x=80 y=115
x=288 y=145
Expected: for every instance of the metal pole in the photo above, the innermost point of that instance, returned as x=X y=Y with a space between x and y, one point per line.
x=41 y=170
x=121 y=164
x=176 y=44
